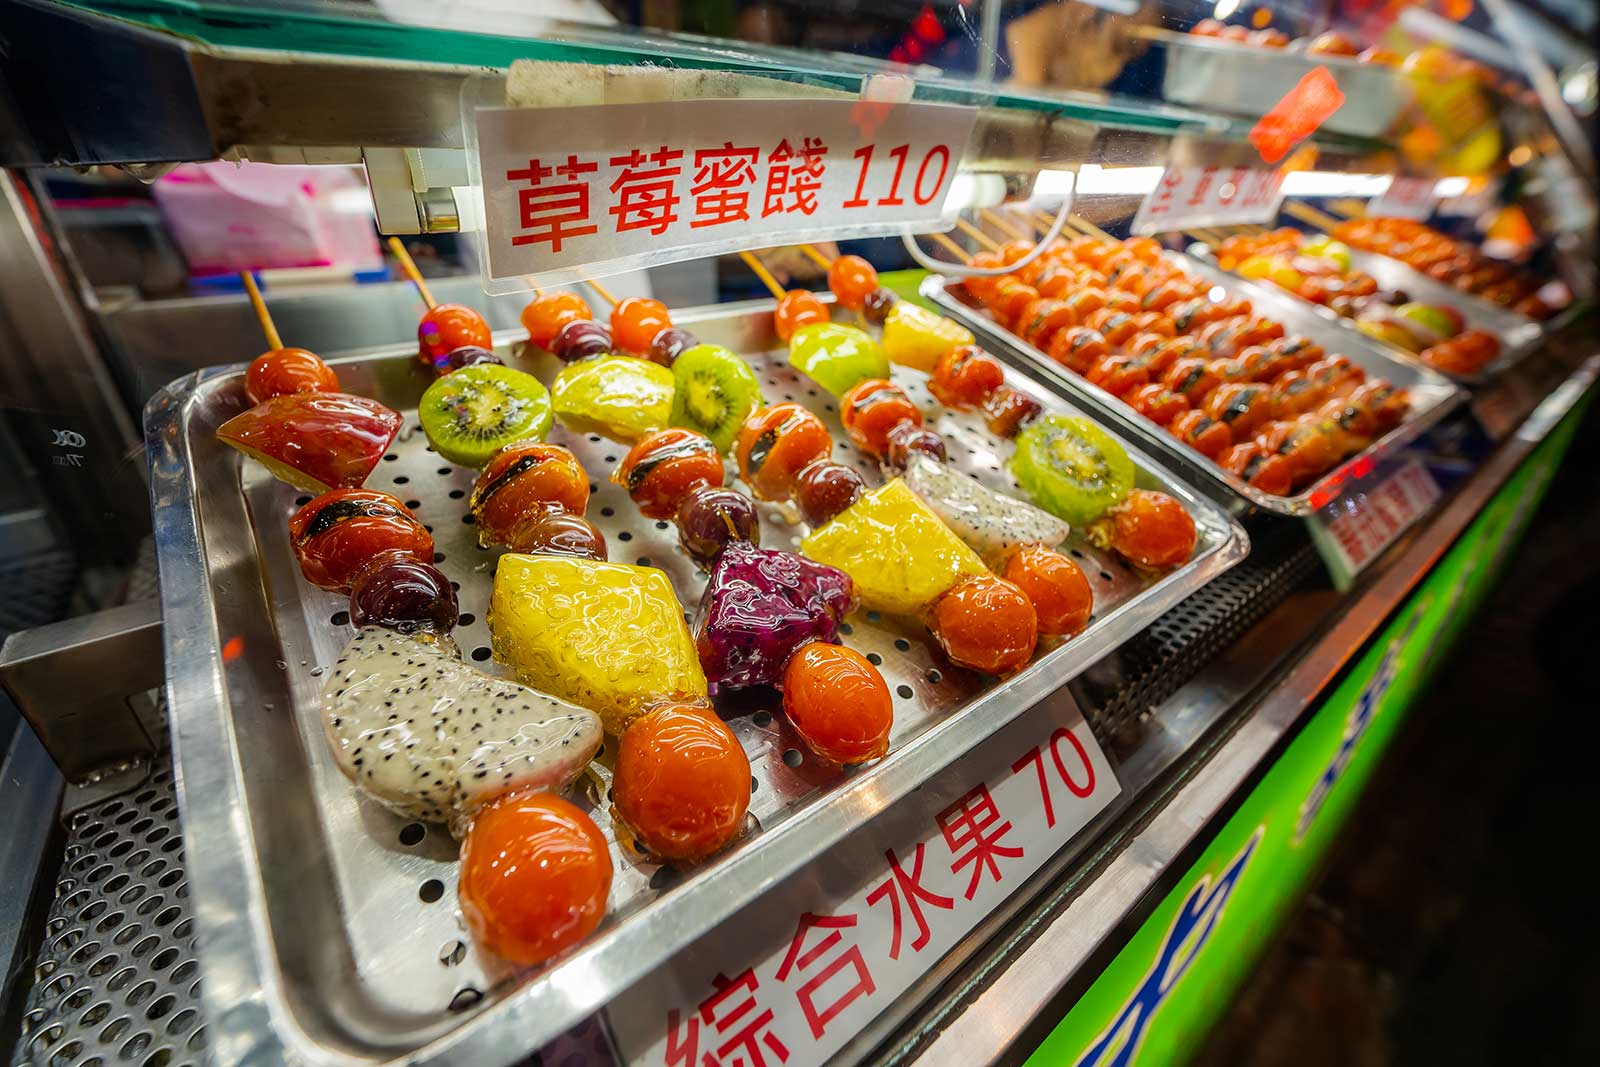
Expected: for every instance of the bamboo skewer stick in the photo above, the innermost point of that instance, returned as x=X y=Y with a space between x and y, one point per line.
x=816 y=257
x=263 y=316
x=944 y=242
x=764 y=274
x=1091 y=229
x=605 y=294
x=1002 y=225
x=1307 y=213
x=1353 y=209
x=977 y=235
x=410 y=268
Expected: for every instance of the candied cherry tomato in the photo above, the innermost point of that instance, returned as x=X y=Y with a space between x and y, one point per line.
x=1086 y=302
x=1199 y=431
x=987 y=624
x=1078 y=348
x=1119 y=375
x=523 y=478
x=1152 y=530
x=580 y=339
x=668 y=344
x=535 y=873
x=1011 y=297
x=852 y=279
x=873 y=407
x=288 y=370
x=682 y=783
x=979 y=285
x=1117 y=327
x=875 y=309
x=1042 y=318
x=775 y=444
x=447 y=327
x=336 y=534
x=826 y=488
x=1007 y=411
x=1055 y=585
x=838 y=703
x=662 y=467
x=1192 y=379
x=1157 y=403
x=906 y=439
x=965 y=377
x=557 y=533
x=402 y=593
x=636 y=320
x=547 y=315
x=711 y=517
x=797 y=308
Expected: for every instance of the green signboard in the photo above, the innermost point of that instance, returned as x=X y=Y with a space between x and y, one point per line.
x=1158 y=999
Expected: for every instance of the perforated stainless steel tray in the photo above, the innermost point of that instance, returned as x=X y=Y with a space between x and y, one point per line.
x=1245 y=80
x=328 y=927
x=1519 y=335
x=1432 y=396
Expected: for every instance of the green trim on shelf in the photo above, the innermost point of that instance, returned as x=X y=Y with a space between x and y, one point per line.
x=1156 y=1002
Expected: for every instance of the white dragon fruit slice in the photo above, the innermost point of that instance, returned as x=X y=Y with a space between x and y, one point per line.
x=989 y=522
x=434 y=739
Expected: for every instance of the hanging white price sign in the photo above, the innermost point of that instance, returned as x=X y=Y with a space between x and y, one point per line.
x=1369 y=516
x=613 y=187
x=1406 y=198
x=800 y=978
x=1189 y=196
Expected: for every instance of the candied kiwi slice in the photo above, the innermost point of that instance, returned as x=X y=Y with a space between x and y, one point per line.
x=1072 y=468
x=714 y=392
x=476 y=411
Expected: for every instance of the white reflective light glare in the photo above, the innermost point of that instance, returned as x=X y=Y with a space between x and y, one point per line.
x=986 y=190
x=1224 y=9
x=1447 y=187
x=1095 y=180
x=1331 y=183
x=1053 y=183
x=469 y=207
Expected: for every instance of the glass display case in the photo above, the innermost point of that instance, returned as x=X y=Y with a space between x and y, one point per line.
x=899 y=520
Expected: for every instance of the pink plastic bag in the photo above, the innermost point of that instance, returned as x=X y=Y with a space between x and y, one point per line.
x=252 y=216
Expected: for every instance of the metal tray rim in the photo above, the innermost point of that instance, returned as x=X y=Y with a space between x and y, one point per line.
x=245 y=996
x=1128 y=422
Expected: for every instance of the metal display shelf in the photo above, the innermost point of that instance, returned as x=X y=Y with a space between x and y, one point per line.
x=1189 y=709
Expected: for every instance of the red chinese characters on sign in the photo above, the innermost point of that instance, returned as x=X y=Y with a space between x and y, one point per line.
x=645 y=190
x=1080 y=758
x=722 y=181
x=549 y=211
x=910 y=886
x=819 y=984
x=743 y=1034
x=793 y=177
x=973 y=823
x=1161 y=202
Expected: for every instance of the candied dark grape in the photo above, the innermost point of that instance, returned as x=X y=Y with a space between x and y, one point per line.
x=1008 y=411
x=580 y=339
x=403 y=593
x=711 y=517
x=669 y=344
x=470 y=355
x=1394 y=297
x=826 y=488
x=907 y=438
x=558 y=533
x=877 y=304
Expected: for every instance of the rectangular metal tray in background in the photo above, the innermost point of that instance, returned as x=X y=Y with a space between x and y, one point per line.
x=1432 y=396
x=1519 y=335
x=1220 y=75
x=328 y=926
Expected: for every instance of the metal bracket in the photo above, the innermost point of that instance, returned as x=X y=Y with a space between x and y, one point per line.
x=83 y=686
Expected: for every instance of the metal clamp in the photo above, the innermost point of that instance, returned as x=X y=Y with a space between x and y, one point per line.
x=84 y=685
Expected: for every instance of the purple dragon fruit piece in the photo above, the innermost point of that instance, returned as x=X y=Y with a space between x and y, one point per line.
x=760 y=605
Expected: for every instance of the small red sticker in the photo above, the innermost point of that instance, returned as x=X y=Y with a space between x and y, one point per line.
x=1297 y=116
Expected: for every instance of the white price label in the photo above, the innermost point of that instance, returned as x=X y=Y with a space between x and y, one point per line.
x=1405 y=198
x=821 y=967
x=584 y=187
x=1353 y=530
x=1210 y=196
